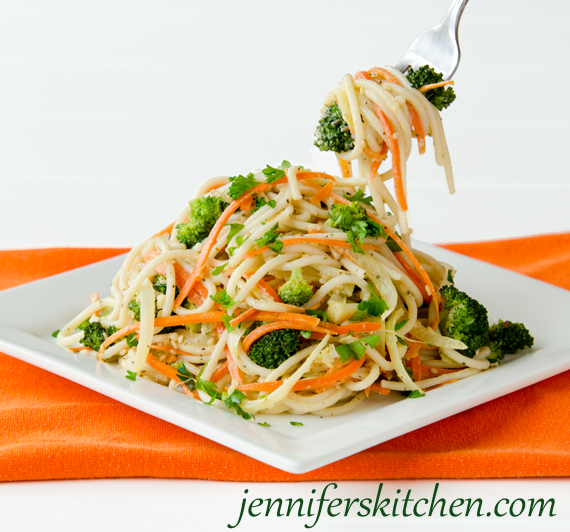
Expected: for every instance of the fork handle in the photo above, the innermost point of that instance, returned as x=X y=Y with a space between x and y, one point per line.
x=453 y=16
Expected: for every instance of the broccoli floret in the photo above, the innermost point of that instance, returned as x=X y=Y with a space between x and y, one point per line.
x=159 y=284
x=354 y=221
x=296 y=291
x=333 y=133
x=275 y=347
x=339 y=214
x=464 y=319
x=506 y=338
x=204 y=212
x=441 y=97
x=94 y=334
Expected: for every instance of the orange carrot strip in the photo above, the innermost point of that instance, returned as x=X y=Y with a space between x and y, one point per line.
x=247 y=204
x=265 y=288
x=345 y=168
x=377 y=154
x=394 y=146
x=380 y=389
x=414 y=350
x=416 y=279
x=221 y=372
x=94 y=297
x=323 y=194
x=417 y=123
x=416 y=368
x=374 y=168
x=385 y=74
x=310 y=175
x=169 y=321
x=268 y=327
x=307 y=384
x=309 y=321
x=235 y=372
x=243 y=316
x=431 y=86
x=362 y=75
x=415 y=262
x=169 y=372
x=77 y=349
x=365 y=326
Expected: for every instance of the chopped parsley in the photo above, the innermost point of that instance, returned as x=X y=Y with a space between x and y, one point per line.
x=219 y=269
x=450 y=278
x=355 y=350
x=223 y=299
x=306 y=334
x=131 y=375
x=261 y=202
x=296 y=423
x=268 y=238
x=132 y=340
x=359 y=197
x=55 y=333
x=264 y=424
x=415 y=394
x=240 y=185
x=318 y=313
x=234 y=230
x=399 y=325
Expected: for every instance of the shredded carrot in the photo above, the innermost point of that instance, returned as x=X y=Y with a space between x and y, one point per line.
x=265 y=288
x=311 y=175
x=377 y=154
x=221 y=372
x=247 y=204
x=362 y=75
x=307 y=384
x=385 y=74
x=413 y=350
x=243 y=316
x=268 y=327
x=345 y=167
x=419 y=128
x=94 y=297
x=168 y=321
x=431 y=86
x=374 y=168
x=169 y=372
x=394 y=146
x=77 y=349
x=323 y=194
x=380 y=389
x=235 y=372
x=304 y=319
x=416 y=368
x=416 y=279
x=364 y=326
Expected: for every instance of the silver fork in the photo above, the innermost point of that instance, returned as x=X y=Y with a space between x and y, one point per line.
x=437 y=46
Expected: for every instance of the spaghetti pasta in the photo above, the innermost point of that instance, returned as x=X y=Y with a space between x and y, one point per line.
x=371 y=309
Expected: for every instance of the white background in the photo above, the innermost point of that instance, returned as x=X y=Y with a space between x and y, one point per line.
x=111 y=114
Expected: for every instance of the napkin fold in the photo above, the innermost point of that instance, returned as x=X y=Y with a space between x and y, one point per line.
x=51 y=428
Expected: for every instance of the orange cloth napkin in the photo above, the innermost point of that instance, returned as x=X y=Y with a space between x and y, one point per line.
x=51 y=428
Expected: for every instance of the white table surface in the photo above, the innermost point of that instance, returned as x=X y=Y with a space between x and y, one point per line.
x=111 y=114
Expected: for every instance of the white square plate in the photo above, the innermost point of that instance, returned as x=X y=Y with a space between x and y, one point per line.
x=25 y=333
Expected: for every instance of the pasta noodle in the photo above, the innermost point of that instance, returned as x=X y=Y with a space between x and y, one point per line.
x=190 y=317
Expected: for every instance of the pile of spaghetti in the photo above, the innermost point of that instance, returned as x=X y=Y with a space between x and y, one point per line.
x=290 y=290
